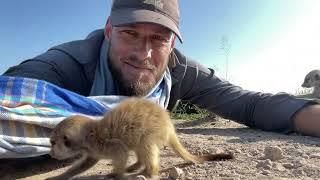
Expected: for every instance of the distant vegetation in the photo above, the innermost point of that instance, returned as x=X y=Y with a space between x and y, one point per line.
x=303 y=91
x=187 y=111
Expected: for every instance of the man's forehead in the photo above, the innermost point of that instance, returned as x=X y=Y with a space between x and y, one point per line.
x=155 y=27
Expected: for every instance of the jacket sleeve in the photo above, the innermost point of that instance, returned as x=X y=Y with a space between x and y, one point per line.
x=52 y=66
x=259 y=110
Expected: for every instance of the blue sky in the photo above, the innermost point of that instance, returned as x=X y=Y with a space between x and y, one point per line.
x=273 y=43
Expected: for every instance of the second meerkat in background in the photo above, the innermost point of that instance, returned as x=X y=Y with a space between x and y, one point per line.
x=312 y=80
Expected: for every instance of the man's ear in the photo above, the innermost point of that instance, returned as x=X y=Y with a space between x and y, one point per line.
x=173 y=41
x=107 y=29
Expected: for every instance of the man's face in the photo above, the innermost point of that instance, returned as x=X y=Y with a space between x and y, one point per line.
x=138 y=56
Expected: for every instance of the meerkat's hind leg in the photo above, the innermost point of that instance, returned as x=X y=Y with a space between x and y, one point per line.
x=119 y=156
x=150 y=158
x=138 y=164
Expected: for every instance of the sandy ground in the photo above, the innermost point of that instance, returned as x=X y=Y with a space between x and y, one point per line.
x=293 y=156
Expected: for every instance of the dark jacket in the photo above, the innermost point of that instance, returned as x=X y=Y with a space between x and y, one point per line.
x=72 y=66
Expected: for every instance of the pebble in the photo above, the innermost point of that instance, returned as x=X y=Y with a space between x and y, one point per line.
x=299 y=163
x=300 y=172
x=217 y=151
x=305 y=156
x=265 y=172
x=188 y=176
x=299 y=151
x=210 y=138
x=279 y=167
x=288 y=165
x=265 y=164
x=175 y=173
x=273 y=153
x=229 y=178
x=317 y=156
x=237 y=150
x=140 y=177
x=254 y=152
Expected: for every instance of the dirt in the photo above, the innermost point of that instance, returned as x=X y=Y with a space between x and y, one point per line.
x=258 y=155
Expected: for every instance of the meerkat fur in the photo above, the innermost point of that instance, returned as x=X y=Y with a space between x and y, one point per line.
x=136 y=124
x=312 y=80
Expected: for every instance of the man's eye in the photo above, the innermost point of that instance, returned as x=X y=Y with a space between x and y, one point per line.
x=128 y=32
x=159 y=38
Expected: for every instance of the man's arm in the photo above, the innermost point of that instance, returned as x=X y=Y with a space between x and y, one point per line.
x=55 y=67
x=259 y=110
x=307 y=120
x=37 y=69
x=70 y=65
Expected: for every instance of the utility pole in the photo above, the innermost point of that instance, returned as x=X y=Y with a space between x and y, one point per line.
x=225 y=46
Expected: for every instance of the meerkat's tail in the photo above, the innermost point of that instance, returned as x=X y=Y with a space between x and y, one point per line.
x=217 y=157
x=186 y=155
x=181 y=151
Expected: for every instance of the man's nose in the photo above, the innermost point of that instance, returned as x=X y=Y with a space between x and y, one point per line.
x=144 y=50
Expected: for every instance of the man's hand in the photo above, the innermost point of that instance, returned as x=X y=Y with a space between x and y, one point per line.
x=307 y=121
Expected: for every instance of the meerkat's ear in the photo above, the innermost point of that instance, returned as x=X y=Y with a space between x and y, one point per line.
x=317 y=77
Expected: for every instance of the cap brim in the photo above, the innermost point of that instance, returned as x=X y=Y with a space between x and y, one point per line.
x=129 y=16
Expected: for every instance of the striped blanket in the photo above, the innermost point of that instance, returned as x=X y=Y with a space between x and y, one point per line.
x=30 y=108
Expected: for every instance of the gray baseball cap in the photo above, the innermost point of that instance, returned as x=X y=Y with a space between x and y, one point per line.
x=162 y=12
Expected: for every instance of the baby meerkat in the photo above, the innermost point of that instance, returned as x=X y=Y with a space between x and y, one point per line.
x=136 y=124
x=312 y=79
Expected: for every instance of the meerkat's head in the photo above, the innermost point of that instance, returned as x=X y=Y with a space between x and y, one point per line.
x=67 y=137
x=312 y=79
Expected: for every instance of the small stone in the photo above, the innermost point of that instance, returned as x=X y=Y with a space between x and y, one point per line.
x=265 y=172
x=299 y=151
x=300 y=172
x=305 y=156
x=176 y=173
x=210 y=138
x=188 y=176
x=217 y=151
x=316 y=156
x=265 y=164
x=278 y=167
x=237 y=150
x=288 y=165
x=273 y=153
x=140 y=177
x=254 y=152
x=297 y=146
x=299 y=163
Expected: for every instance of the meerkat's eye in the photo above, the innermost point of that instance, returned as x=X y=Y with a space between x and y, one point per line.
x=66 y=141
x=307 y=79
x=317 y=77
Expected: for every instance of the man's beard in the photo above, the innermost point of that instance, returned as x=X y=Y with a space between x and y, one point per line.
x=136 y=87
